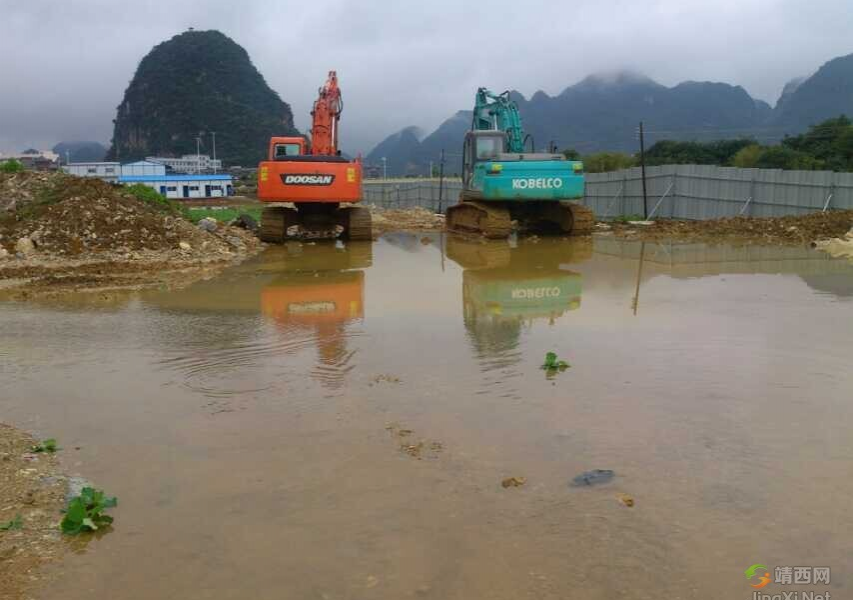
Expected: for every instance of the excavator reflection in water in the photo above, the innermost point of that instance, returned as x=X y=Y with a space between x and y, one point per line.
x=320 y=291
x=311 y=293
x=505 y=288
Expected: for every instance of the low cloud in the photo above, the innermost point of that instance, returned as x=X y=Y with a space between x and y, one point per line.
x=400 y=63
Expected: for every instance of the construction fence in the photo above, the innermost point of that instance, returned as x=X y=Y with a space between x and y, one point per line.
x=672 y=191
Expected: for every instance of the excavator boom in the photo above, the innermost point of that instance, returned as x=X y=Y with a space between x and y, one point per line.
x=499 y=112
x=326 y=113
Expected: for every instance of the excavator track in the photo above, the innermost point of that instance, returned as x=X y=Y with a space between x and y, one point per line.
x=275 y=221
x=583 y=219
x=567 y=218
x=356 y=222
x=492 y=220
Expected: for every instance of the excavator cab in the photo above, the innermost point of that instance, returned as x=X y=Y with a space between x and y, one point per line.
x=283 y=147
x=480 y=146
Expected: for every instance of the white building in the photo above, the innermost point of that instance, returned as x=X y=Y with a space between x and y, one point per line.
x=143 y=167
x=184 y=186
x=111 y=171
x=108 y=171
x=188 y=163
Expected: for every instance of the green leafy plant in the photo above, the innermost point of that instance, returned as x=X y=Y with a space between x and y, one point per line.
x=552 y=364
x=16 y=523
x=11 y=166
x=86 y=512
x=49 y=446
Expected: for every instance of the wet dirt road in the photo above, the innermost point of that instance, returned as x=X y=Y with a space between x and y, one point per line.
x=336 y=424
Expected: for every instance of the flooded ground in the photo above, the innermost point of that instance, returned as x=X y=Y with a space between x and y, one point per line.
x=335 y=423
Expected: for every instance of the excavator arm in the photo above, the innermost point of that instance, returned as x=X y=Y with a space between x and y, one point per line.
x=326 y=113
x=499 y=112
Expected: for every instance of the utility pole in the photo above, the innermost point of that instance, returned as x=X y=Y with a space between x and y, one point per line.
x=213 y=133
x=643 y=169
x=441 y=182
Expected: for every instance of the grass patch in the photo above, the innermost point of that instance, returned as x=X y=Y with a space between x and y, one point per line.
x=152 y=197
x=224 y=214
x=16 y=523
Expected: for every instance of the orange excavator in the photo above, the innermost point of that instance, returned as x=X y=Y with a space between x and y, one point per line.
x=316 y=180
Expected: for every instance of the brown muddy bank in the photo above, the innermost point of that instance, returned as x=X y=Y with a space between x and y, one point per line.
x=32 y=493
x=800 y=230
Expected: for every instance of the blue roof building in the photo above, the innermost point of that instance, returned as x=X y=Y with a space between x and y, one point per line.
x=184 y=186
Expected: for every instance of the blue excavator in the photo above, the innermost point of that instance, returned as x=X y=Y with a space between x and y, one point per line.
x=504 y=182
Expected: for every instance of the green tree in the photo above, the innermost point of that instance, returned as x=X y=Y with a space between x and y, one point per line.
x=571 y=154
x=602 y=162
x=11 y=166
x=720 y=152
x=783 y=157
x=748 y=157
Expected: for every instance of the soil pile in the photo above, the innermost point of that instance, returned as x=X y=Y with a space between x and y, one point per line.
x=796 y=230
x=32 y=494
x=58 y=228
x=405 y=219
x=68 y=216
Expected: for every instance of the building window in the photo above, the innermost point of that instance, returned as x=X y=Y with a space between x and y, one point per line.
x=194 y=188
x=110 y=170
x=91 y=170
x=171 y=188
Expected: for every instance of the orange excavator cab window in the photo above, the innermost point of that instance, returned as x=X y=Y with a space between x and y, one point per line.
x=282 y=150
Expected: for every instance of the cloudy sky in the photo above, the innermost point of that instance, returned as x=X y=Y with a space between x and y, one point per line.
x=65 y=65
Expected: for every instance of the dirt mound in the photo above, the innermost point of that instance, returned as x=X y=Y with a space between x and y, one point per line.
x=55 y=227
x=405 y=219
x=69 y=216
x=801 y=229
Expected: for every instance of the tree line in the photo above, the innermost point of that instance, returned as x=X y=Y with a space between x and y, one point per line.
x=827 y=146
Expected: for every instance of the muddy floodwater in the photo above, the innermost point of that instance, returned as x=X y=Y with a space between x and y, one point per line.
x=336 y=423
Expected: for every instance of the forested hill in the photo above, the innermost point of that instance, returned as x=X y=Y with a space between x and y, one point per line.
x=198 y=82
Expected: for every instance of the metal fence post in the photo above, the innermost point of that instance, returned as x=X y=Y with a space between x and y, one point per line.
x=829 y=197
x=651 y=214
